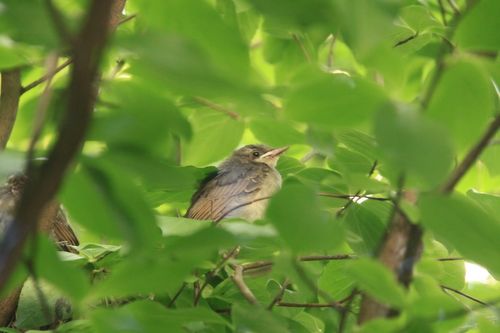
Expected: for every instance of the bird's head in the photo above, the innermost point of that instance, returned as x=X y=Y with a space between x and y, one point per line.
x=258 y=154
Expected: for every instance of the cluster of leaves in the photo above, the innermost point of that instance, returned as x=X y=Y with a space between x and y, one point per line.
x=371 y=96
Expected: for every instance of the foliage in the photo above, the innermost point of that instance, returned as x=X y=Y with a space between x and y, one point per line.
x=371 y=96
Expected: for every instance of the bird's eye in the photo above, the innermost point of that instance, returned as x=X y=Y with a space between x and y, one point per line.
x=256 y=154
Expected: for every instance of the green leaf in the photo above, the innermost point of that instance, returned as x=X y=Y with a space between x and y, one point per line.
x=335 y=280
x=247 y=318
x=489 y=202
x=128 y=122
x=375 y=279
x=333 y=100
x=491 y=157
x=414 y=145
x=464 y=225
x=463 y=102
x=479 y=29
x=365 y=228
x=166 y=268
x=296 y=213
x=275 y=132
x=72 y=283
x=30 y=313
x=216 y=135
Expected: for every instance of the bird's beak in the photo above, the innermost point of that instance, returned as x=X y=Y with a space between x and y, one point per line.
x=274 y=153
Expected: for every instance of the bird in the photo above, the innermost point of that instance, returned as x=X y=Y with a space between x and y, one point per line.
x=240 y=187
x=53 y=219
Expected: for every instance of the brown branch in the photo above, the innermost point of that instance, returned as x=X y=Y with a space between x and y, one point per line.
x=234 y=252
x=261 y=264
x=217 y=107
x=9 y=103
x=240 y=283
x=471 y=156
x=354 y=197
x=44 y=182
x=347 y=308
x=177 y=294
x=464 y=295
x=279 y=296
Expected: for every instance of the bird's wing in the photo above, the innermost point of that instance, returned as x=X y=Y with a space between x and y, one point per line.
x=220 y=194
x=62 y=233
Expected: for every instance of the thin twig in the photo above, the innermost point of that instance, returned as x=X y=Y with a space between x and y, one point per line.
x=335 y=306
x=471 y=156
x=345 y=313
x=302 y=47
x=217 y=107
x=279 y=295
x=464 y=295
x=234 y=252
x=261 y=264
x=406 y=40
x=443 y=12
x=177 y=294
x=352 y=196
x=240 y=283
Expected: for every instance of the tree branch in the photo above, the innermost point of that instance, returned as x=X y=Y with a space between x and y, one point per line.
x=336 y=306
x=279 y=296
x=240 y=283
x=44 y=182
x=464 y=295
x=9 y=103
x=471 y=156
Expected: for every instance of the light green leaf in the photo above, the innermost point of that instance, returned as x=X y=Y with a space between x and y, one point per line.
x=216 y=135
x=464 y=225
x=275 y=132
x=296 y=213
x=333 y=100
x=479 y=28
x=247 y=318
x=414 y=145
x=463 y=102
x=335 y=281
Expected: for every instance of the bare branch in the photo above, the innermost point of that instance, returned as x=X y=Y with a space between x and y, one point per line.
x=9 y=103
x=44 y=182
x=240 y=283
x=406 y=40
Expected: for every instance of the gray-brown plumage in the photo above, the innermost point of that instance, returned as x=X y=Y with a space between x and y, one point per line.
x=53 y=219
x=233 y=191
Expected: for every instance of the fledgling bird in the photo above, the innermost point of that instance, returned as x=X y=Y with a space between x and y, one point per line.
x=235 y=189
x=53 y=219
